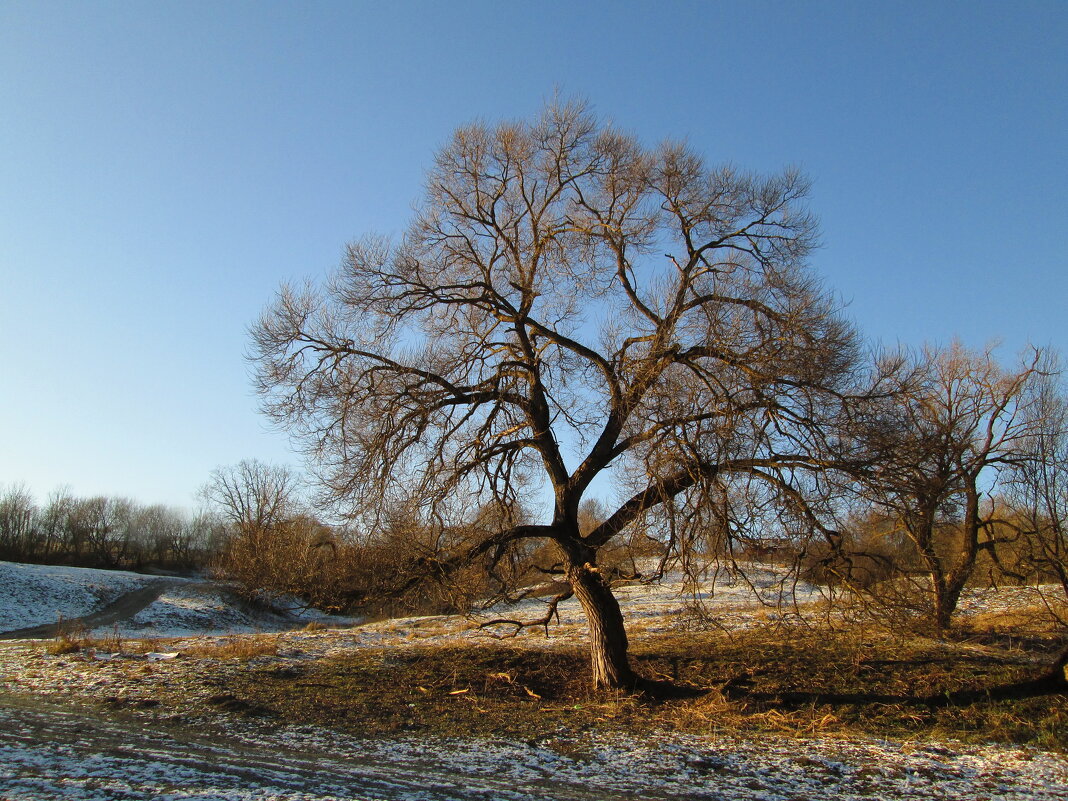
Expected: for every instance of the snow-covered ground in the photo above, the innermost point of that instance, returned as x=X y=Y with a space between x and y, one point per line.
x=53 y=746
x=207 y=608
x=64 y=754
x=33 y=595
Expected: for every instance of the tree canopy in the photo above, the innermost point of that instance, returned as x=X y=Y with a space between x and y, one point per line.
x=565 y=303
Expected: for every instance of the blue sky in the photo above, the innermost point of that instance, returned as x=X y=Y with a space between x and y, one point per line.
x=164 y=166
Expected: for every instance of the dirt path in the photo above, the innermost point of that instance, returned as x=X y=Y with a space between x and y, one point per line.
x=51 y=751
x=123 y=607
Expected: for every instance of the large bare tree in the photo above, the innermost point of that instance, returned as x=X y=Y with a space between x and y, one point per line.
x=566 y=304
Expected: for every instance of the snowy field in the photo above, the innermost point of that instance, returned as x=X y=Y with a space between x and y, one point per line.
x=66 y=755
x=54 y=743
x=32 y=595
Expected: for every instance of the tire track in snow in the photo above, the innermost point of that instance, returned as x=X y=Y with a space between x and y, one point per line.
x=122 y=608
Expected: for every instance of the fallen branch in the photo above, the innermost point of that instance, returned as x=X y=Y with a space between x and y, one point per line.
x=544 y=621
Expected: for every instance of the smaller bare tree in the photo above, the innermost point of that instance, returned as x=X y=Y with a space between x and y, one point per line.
x=940 y=448
x=1038 y=491
x=252 y=495
x=276 y=547
x=18 y=523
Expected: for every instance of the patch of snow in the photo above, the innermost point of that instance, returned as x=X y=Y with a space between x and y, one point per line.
x=198 y=609
x=34 y=595
x=208 y=608
x=156 y=656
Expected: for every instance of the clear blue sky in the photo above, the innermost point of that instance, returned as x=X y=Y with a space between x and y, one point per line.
x=165 y=165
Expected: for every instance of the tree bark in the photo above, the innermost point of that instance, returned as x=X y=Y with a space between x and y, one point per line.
x=609 y=663
x=945 y=603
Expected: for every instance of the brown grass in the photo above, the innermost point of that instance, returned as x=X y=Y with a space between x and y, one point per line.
x=241 y=648
x=1032 y=619
x=75 y=637
x=797 y=682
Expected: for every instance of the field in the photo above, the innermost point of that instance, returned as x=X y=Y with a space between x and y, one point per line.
x=748 y=696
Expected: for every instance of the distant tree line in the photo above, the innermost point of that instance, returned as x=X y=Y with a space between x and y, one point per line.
x=104 y=532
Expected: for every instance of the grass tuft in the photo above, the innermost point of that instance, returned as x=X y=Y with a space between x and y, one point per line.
x=74 y=637
x=240 y=648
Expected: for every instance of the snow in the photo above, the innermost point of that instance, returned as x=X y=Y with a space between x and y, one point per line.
x=200 y=609
x=51 y=747
x=49 y=754
x=33 y=595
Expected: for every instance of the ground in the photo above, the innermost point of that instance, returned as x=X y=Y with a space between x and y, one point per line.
x=184 y=700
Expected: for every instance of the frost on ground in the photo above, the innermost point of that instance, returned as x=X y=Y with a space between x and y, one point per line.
x=67 y=753
x=170 y=742
x=57 y=755
x=32 y=595
x=208 y=608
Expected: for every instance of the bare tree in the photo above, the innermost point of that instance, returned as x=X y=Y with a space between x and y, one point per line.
x=938 y=452
x=565 y=303
x=1039 y=486
x=252 y=495
x=275 y=547
x=165 y=537
x=99 y=528
x=18 y=523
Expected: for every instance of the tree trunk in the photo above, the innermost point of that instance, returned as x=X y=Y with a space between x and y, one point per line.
x=942 y=605
x=945 y=602
x=608 y=637
x=949 y=586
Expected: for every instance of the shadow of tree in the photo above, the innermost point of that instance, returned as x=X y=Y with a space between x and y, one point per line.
x=1052 y=681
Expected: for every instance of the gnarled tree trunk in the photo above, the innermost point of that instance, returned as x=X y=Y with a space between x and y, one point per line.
x=608 y=637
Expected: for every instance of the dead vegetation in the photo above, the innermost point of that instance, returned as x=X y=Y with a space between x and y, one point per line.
x=238 y=647
x=73 y=637
x=789 y=681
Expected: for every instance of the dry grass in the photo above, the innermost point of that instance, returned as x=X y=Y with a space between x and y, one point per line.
x=797 y=682
x=784 y=679
x=75 y=637
x=240 y=648
x=1035 y=618
x=69 y=638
